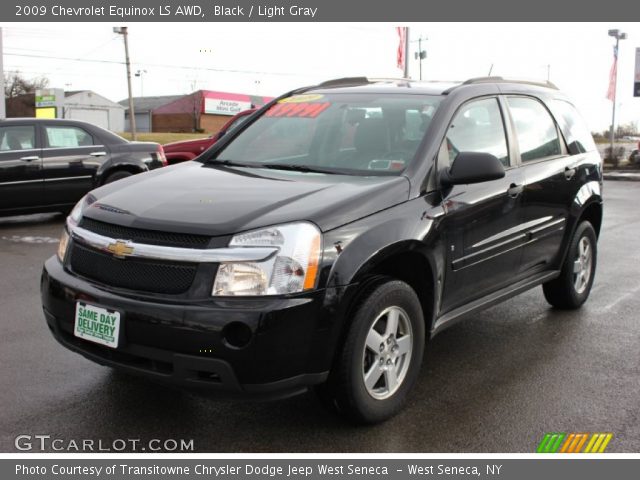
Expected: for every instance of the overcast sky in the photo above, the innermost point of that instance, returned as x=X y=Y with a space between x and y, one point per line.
x=270 y=58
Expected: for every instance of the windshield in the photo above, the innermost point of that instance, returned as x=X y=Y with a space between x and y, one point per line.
x=359 y=134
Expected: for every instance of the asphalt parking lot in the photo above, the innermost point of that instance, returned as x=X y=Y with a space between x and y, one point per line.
x=494 y=383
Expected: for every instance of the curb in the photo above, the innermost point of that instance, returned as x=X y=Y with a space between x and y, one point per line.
x=622 y=176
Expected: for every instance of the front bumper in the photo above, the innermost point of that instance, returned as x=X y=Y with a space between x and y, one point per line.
x=185 y=343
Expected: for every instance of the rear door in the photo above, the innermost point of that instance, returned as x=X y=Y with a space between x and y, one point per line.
x=71 y=158
x=482 y=221
x=551 y=181
x=20 y=167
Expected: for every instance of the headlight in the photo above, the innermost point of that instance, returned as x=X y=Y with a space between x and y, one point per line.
x=72 y=221
x=62 y=246
x=76 y=214
x=293 y=269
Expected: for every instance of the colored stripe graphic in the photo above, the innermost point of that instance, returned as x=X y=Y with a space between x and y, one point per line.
x=550 y=443
x=555 y=442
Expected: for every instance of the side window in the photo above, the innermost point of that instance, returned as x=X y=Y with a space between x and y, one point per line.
x=535 y=129
x=19 y=137
x=478 y=127
x=573 y=127
x=66 y=137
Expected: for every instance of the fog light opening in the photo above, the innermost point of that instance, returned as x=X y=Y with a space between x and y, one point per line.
x=237 y=334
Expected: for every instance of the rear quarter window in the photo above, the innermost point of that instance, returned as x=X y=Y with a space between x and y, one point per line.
x=573 y=127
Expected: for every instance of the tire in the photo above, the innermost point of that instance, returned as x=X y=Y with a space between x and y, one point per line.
x=370 y=340
x=571 y=289
x=117 y=175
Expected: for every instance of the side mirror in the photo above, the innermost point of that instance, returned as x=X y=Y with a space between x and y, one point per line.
x=473 y=167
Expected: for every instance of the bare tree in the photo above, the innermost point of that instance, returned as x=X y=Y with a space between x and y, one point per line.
x=16 y=84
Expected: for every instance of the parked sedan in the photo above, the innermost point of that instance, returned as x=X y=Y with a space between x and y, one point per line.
x=48 y=165
x=189 y=149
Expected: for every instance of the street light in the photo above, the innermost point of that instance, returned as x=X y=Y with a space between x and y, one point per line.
x=618 y=35
x=132 y=114
x=420 y=54
x=140 y=74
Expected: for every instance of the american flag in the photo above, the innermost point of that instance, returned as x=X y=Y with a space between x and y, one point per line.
x=402 y=42
x=613 y=74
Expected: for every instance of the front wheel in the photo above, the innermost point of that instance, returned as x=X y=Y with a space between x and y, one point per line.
x=381 y=357
x=571 y=289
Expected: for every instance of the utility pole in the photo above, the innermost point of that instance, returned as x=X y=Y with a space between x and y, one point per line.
x=618 y=35
x=132 y=114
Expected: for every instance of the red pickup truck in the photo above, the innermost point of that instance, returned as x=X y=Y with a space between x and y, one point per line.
x=184 y=150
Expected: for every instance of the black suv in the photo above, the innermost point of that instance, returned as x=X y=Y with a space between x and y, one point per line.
x=49 y=164
x=327 y=238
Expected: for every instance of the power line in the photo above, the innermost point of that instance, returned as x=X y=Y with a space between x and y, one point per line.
x=159 y=65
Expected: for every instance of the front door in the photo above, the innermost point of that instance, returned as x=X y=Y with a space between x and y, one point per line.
x=483 y=220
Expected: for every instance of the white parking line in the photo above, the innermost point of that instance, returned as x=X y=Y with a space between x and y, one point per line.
x=30 y=239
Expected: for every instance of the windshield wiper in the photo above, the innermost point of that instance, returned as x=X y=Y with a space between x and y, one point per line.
x=296 y=168
x=231 y=163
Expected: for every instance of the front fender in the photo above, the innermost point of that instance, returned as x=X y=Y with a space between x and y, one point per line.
x=354 y=251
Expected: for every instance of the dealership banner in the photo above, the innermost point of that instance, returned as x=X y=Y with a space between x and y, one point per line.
x=311 y=10
x=315 y=469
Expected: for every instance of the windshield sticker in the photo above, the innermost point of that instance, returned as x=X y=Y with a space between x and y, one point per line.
x=386 y=165
x=305 y=110
x=309 y=97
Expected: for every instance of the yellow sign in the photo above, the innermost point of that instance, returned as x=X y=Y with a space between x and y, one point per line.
x=46 y=112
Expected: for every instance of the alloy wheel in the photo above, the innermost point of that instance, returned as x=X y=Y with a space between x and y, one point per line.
x=387 y=353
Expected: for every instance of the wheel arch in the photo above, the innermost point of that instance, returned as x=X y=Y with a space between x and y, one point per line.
x=406 y=261
x=127 y=167
x=592 y=212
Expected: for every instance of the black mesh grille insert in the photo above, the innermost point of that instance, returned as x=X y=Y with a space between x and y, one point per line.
x=151 y=237
x=132 y=274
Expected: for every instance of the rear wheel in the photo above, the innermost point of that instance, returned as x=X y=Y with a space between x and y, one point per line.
x=381 y=356
x=117 y=175
x=571 y=289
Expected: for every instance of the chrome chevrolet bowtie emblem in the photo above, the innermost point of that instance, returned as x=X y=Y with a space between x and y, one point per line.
x=120 y=249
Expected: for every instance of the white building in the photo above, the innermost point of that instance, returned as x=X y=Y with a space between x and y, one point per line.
x=90 y=107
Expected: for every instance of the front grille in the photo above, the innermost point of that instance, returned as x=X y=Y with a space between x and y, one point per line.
x=151 y=237
x=132 y=274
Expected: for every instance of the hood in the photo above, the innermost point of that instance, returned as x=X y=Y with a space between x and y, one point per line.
x=192 y=197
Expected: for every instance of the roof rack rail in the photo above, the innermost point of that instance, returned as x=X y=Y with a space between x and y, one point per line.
x=390 y=79
x=476 y=80
x=348 y=81
x=339 y=82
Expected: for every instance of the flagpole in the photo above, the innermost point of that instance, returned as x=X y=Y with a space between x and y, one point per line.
x=406 y=52
x=612 y=133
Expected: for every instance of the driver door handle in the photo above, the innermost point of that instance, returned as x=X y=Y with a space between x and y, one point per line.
x=30 y=159
x=515 y=190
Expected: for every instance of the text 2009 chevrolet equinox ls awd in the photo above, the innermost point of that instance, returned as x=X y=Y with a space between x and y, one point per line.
x=328 y=237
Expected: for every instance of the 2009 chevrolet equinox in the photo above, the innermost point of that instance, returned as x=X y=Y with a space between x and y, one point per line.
x=327 y=238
